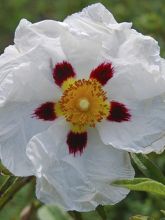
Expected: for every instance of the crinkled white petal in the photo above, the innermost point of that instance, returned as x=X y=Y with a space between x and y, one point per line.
x=135 y=57
x=82 y=52
x=30 y=35
x=25 y=83
x=94 y=17
x=140 y=49
x=17 y=127
x=143 y=94
x=134 y=82
x=77 y=182
x=9 y=54
x=145 y=128
x=31 y=75
x=61 y=43
x=98 y=24
x=97 y=13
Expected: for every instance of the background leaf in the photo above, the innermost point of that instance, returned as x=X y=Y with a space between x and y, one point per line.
x=143 y=184
x=148 y=168
x=163 y=211
x=52 y=213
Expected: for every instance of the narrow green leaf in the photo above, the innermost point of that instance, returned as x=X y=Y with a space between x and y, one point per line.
x=52 y=213
x=143 y=184
x=148 y=168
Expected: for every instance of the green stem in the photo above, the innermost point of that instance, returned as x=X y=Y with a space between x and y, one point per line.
x=9 y=180
x=101 y=212
x=76 y=215
x=30 y=211
x=13 y=189
x=4 y=171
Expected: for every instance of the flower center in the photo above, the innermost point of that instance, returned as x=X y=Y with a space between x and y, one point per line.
x=84 y=103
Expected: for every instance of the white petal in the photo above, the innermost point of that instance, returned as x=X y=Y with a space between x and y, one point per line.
x=17 y=127
x=28 y=79
x=82 y=52
x=9 y=54
x=138 y=48
x=81 y=182
x=41 y=36
x=30 y=35
x=23 y=87
x=98 y=24
x=134 y=82
x=25 y=83
x=95 y=15
x=96 y=12
x=145 y=128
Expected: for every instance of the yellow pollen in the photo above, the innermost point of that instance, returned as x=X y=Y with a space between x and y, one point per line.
x=58 y=110
x=84 y=104
x=67 y=83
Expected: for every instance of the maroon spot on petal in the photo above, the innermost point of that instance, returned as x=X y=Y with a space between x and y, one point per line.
x=102 y=73
x=62 y=71
x=118 y=112
x=46 y=112
x=76 y=142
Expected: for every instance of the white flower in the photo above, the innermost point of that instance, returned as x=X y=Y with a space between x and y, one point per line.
x=73 y=95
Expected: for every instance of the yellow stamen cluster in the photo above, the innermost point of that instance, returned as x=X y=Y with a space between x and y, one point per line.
x=66 y=84
x=84 y=103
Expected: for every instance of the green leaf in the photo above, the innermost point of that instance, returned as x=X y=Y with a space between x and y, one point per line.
x=52 y=213
x=143 y=184
x=148 y=168
x=163 y=212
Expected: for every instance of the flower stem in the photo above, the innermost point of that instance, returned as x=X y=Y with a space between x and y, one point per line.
x=18 y=183
x=8 y=182
x=4 y=171
x=101 y=212
x=76 y=215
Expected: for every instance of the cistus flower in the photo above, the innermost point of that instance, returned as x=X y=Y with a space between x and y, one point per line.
x=75 y=97
x=83 y=103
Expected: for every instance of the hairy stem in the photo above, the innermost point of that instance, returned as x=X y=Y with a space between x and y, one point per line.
x=13 y=189
x=4 y=171
x=76 y=215
x=8 y=182
x=101 y=212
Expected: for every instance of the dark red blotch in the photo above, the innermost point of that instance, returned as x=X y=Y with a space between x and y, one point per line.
x=102 y=73
x=118 y=112
x=46 y=112
x=76 y=142
x=62 y=71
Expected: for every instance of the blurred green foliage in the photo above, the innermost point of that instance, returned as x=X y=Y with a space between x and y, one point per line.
x=148 y=17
